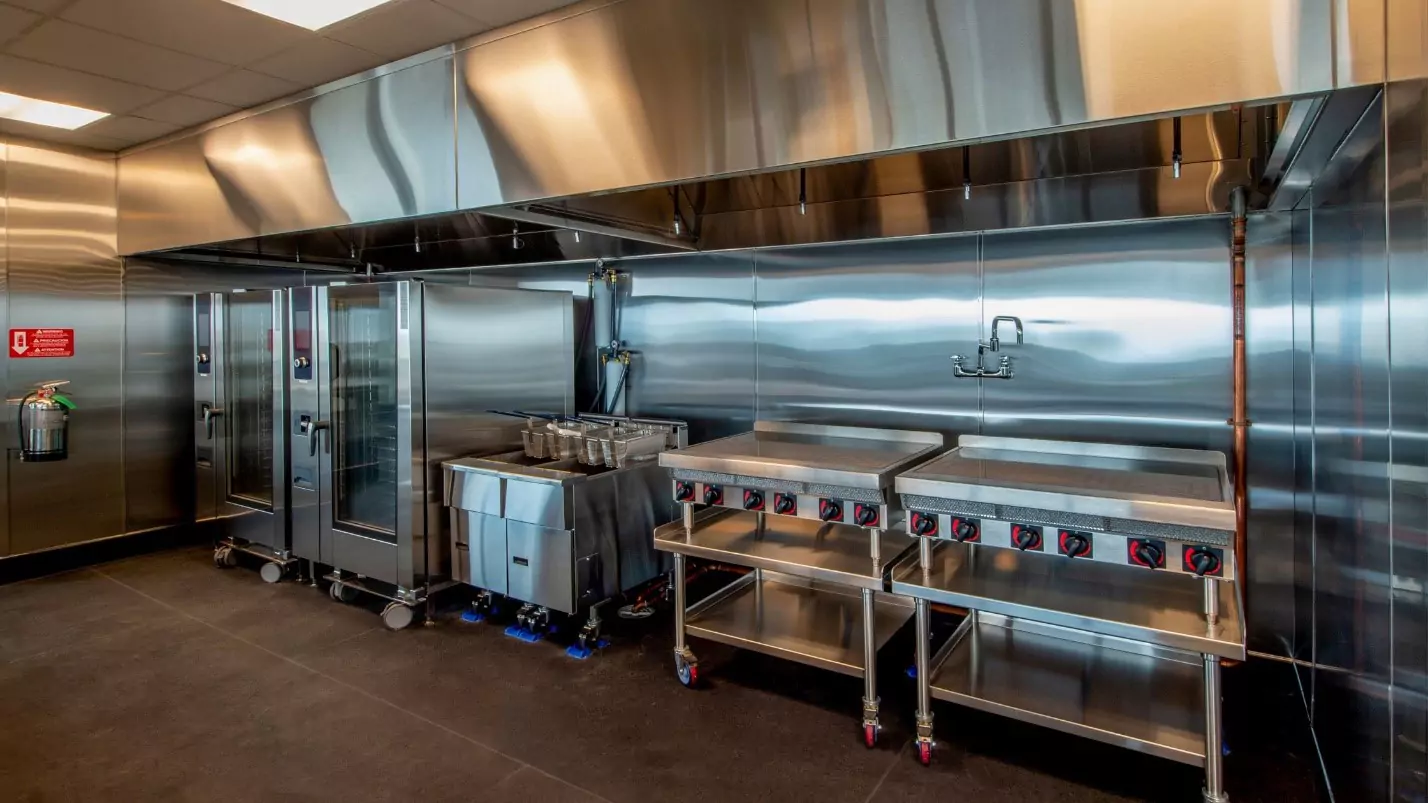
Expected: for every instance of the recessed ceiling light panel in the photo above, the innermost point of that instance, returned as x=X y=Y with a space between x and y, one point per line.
x=310 y=14
x=44 y=112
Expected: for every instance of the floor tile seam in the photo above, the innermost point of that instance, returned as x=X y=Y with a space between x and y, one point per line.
x=892 y=765
x=360 y=691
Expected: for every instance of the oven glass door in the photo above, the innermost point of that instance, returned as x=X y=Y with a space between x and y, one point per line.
x=363 y=321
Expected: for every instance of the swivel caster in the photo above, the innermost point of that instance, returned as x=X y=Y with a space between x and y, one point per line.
x=589 y=638
x=924 y=753
x=271 y=573
x=341 y=592
x=870 y=735
x=398 y=616
x=224 y=557
x=687 y=669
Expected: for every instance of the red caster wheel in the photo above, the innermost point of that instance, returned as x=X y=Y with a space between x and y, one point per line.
x=870 y=735
x=924 y=753
x=687 y=671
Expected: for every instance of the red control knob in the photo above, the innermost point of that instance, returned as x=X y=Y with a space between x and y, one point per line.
x=713 y=495
x=753 y=500
x=966 y=530
x=1075 y=545
x=683 y=491
x=830 y=510
x=865 y=515
x=924 y=524
x=786 y=504
x=1204 y=561
x=1147 y=552
x=1026 y=536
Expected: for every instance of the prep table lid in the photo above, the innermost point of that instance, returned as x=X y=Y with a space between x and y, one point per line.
x=853 y=457
x=1170 y=486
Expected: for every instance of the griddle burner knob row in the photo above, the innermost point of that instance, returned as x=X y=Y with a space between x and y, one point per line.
x=753 y=500
x=830 y=510
x=713 y=495
x=1150 y=554
x=1075 y=545
x=865 y=515
x=683 y=491
x=965 y=530
x=785 y=504
x=1026 y=536
x=1202 y=561
x=924 y=524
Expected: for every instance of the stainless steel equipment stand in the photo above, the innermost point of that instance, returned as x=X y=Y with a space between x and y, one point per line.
x=1111 y=624
x=805 y=509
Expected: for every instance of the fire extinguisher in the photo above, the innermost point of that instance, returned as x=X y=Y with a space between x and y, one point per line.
x=44 y=424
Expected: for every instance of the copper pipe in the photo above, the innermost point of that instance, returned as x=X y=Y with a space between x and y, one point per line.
x=1240 y=420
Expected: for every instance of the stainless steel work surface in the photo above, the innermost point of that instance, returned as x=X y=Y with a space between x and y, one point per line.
x=837 y=553
x=1146 y=700
x=798 y=619
x=1170 y=486
x=848 y=456
x=1149 y=606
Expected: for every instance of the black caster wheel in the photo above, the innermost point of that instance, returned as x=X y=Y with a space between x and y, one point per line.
x=924 y=753
x=341 y=592
x=224 y=557
x=870 y=735
x=687 y=671
x=398 y=616
x=271 y=573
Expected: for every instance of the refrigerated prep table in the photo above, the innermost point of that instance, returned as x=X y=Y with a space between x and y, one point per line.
x=1100 y=582
x=809 y=510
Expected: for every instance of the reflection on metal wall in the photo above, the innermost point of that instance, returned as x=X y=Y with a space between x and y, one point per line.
x=863 y=334
x=654 y=91
x=376 y=150
x=5 y=432
x=1127 y=333
x=64 y=272
x=1269 y=336
x=1407 y=115
x=1353 y=560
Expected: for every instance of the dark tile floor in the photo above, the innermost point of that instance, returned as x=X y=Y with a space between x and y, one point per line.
x=160 y=678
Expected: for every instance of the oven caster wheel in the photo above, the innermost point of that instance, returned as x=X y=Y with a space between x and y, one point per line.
x=687 y=670
x=397 y=616
x=271 y=573
x=924 y=753
x=224 y=557
x=341 y=592
x=870 y=735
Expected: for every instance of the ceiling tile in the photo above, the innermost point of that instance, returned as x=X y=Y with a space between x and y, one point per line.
x=212 y=29
x=91 y=51
x=47 y=82
x=404 y=28
x=496 y=13
x=42 y=6
x=320 y=62
x=132 y=130
x=183 y=110
x=83 y=138
x=14 y=21
x=243 y=88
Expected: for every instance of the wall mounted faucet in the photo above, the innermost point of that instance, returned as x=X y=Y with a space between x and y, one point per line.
x=1004 y=369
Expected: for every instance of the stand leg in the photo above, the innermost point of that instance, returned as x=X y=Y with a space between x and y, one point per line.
x=924 y=659
x=1214 y=791
x=679 y=603
x=871 y=726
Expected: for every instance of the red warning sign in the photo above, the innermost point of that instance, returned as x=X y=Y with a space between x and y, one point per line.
x=41 y=343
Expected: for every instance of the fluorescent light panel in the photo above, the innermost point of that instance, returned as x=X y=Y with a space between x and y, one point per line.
x=44 y=112
x=309 y=14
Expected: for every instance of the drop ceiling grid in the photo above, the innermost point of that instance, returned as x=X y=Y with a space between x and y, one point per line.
x=162 y=65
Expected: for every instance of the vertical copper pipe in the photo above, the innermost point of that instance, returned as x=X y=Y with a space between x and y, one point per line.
x=1240 y=420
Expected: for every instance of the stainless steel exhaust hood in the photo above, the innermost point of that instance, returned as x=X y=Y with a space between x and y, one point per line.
x=619 y=96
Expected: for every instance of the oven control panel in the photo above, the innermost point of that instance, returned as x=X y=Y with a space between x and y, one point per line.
x=831 y=510
x=1142 y=552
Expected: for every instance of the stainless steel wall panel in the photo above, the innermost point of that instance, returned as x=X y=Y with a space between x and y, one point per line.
x=64 y=272
x=1303 y=391
x=1353 y=563
x=1269 y=321
x=5 y=432
x=652 y=91
x=1127 y=333
x=1407 y=119
x=371 y=151
x=863 y=334
x=158 y=410
x=1407 y=40
x=691 y=322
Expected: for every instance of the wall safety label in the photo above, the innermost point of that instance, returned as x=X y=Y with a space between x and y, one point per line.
x=41 y=343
